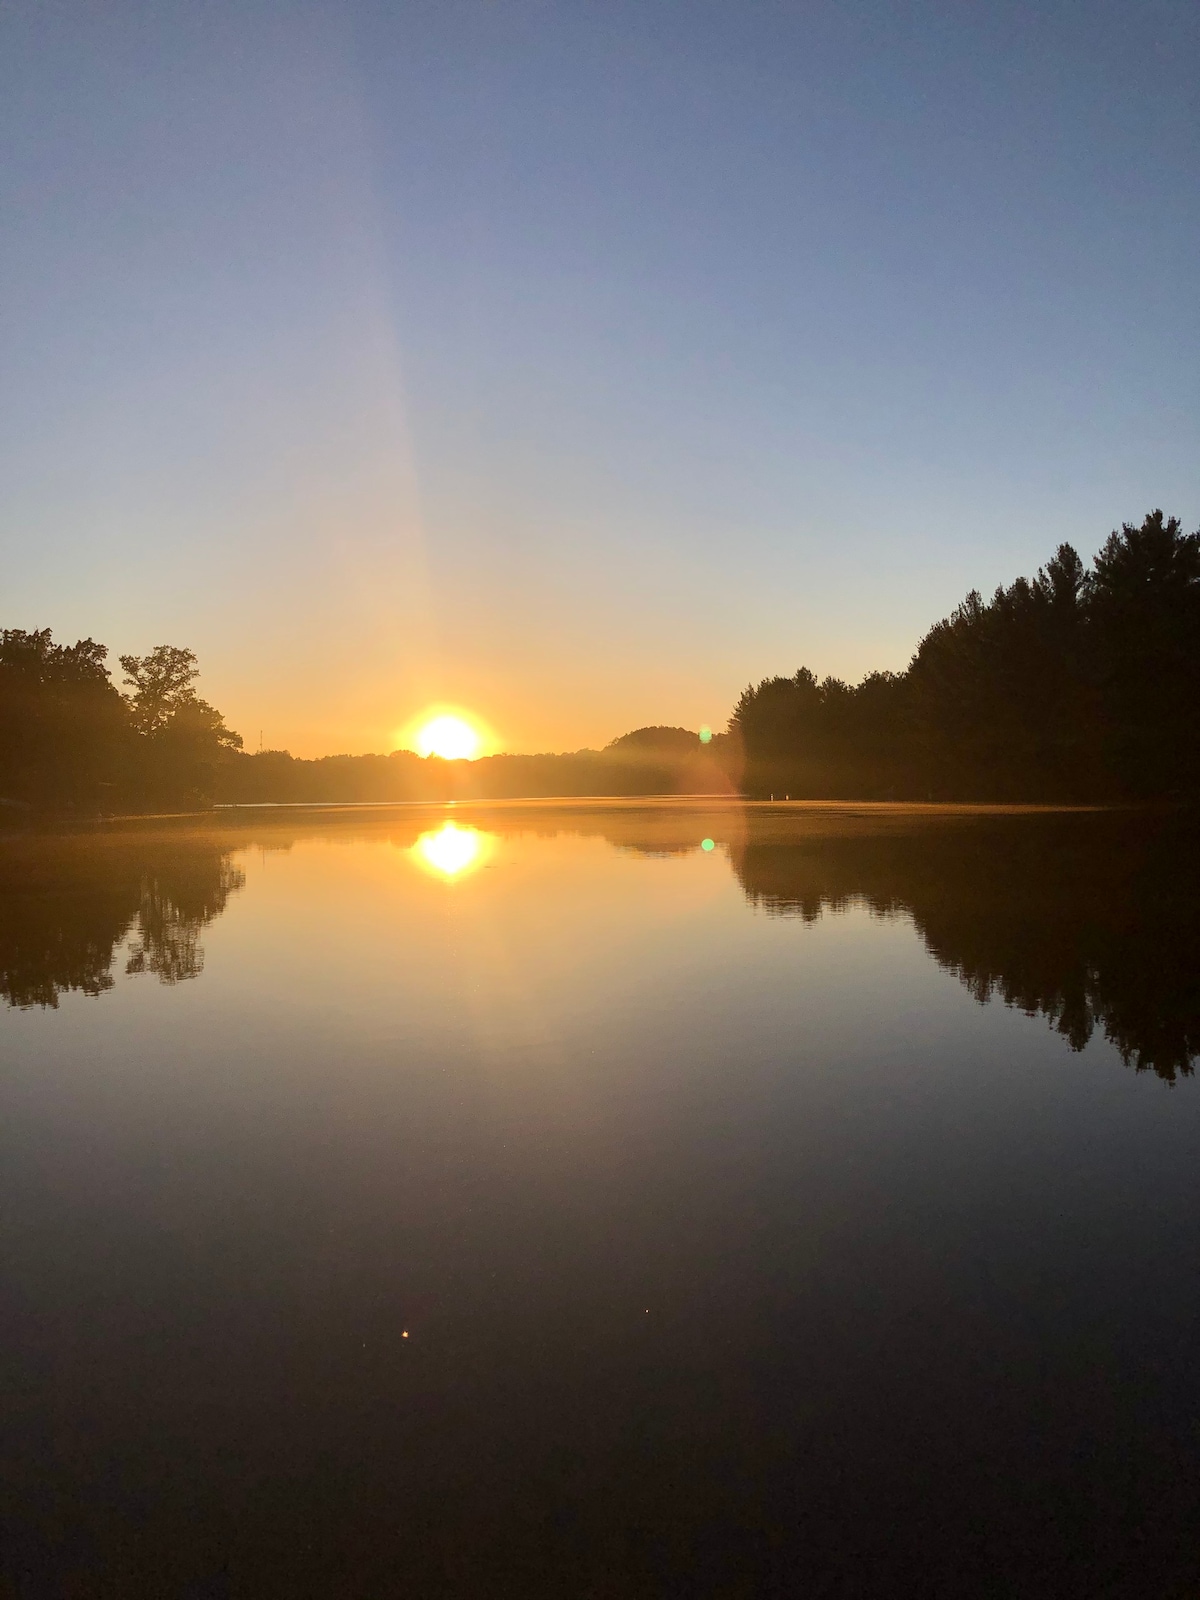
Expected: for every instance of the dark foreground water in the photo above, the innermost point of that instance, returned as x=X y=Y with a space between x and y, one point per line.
x=614 y=1201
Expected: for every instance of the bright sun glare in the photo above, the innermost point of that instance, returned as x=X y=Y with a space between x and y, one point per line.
x=448 y=737
x=450 y=850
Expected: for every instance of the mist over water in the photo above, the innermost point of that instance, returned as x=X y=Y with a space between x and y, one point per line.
x=635 y=1198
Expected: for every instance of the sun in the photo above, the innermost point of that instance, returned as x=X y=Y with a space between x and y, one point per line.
x=450 y=737
x=451 y=732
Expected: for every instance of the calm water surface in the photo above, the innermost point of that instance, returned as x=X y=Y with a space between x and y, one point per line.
x=607 y=1201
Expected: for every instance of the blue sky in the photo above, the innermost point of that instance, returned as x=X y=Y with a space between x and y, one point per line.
x=579 y=363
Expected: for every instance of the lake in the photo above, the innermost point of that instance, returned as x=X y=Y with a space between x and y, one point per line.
x=649 y=1198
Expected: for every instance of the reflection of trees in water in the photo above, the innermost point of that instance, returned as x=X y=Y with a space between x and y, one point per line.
x=66 y=904
x=1088 y=921
x=172 y=912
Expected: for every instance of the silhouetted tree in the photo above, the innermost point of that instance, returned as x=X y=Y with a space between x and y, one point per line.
x=160 y=684
x=63 y=730
x=1000 y=708
x=825 y=739
x=1143 y=615
x=1074 y=684
x=182 y=737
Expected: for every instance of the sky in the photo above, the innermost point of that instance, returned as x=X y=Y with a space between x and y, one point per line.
x=578 y=363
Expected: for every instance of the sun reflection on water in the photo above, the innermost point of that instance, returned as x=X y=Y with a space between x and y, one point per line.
x=450 y=851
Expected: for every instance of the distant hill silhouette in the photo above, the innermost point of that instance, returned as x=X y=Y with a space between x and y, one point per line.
x=679 y=741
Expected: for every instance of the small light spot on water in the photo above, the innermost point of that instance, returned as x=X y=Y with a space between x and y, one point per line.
x=706 y=844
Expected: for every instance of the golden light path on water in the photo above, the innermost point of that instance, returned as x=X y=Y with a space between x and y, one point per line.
x=451 y=851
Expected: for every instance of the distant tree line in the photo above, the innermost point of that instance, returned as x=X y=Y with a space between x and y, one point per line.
x=647 y=761
x=1076 y=684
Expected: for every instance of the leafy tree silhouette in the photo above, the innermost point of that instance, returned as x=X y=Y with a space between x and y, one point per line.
x=63 y=731
x=182 y=736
